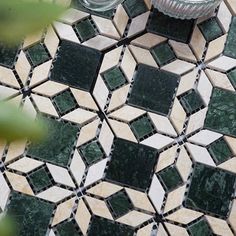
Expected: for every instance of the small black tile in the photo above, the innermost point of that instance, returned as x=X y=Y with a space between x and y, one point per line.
x=200 y=228
x=76 y=65
x=85 y=30
x=135 y=7
x=179 y=30
x=68 y=228
x=127 y=162
x=231 y=40
x=8 y=55
x=211 y=190
x=153 y=89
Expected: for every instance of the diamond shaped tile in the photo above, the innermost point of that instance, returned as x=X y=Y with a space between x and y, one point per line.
x=200 y=228
x=8 y=55
x=135 y=7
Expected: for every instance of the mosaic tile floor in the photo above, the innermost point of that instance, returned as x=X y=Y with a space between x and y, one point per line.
x=141 y=110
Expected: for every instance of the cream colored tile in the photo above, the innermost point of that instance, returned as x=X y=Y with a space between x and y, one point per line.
x=51 y=233
x=179 y=67
x=7 y=92
x=139 y=200
x=50 y=88
x=176 y=230
x=118 y=97
x=148 y=40
x=229 y=165
x=98 y=207
x=134 y=218
x=106 y=27
x=2 y=148
x=29 y=108
x=80 y=116
x=5 y=192
x=182 y=51
x=158 y=141
x=19 y=183
x=100 y=42
x=219 y=226
x=77 y=167
x=145 y=231
x=60 y=175
x=232 y=6
x=156 y=193
x=95 y=172
x=184 y=216
x=82 y=217
x=232 y=143
x=138 y=24
x=166 y=158
x=88 y=132
x=104 y=189
x=44 y=105
x=127 y=113
x=232 y=216
x=51 y=41
x=175 y=198
x=72 y=15
x=32 y=39
x=222 y=63
x=66 y=32
x=122 y=130
x=106 y=138
x=7 y=77
x=63 y=211
x=161 y=231
x=224 y=16
x=25 y=164
x=121 y=19
x=143 y=56
x=198 y=43
x=54 y=194
x=84 y=99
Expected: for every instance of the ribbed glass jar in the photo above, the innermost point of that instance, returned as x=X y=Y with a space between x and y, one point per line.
x=100 y=5
x=186 y=9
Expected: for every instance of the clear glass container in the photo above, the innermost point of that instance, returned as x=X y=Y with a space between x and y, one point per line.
x=100 y=5
x=186 y=9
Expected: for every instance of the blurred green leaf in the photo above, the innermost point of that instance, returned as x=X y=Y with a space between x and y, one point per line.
x=7 y=226
x=19 y=18
x=15 y=124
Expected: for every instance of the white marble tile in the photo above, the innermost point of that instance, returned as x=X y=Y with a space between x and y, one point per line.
x=100 y=42
x=224 y=16
x=5 y=192
x=120 y=19
x=223 y=63
x=176 y=230
x=7 y=77
x=72 y=16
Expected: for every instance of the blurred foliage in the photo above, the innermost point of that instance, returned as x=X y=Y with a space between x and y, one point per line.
x=7 y=226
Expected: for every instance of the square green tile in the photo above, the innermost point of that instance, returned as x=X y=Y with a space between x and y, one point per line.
x=210 y=29
x=120 y=204
x=220 y=151
x=8 y=55
x=153 y=89
x=39 y=179
x=211 y=190
x=232 y=77
x=114 y=78
x=58 y=145
x=68 y=229
x=170 y=177
x=127 y=162
x=31 y=214
x=85 y=30
x=200 y=228
x=231 y=40
x=135 y=7
x=38 y=54
x=92 y=152
x=163 y=53
x=221 y=113
x=141 y=127
x=65 y=102
x=191 y=102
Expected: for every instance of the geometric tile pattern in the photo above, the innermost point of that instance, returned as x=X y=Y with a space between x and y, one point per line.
x=141 y=115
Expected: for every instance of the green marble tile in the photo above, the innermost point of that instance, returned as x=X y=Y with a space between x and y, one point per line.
x=39 y=179
x=68 y=229
x=221 y=113
x=135 y=7
x=8 y=55
x=32 y=215
x=231 y=40
x=210 y=190
x=127 y=162
x=85 y=30
x=232 y=77
x=114 y=78
x=38 y=54
x=210 y=29
x=58 y=146
x=65 y=102
x=120 y=204
x=108 y=228
x=170 y=178
x=220 y=151
x=92 y=152
x=163 y=53
x=141 y=127
x=76 y=65
x=200 y=228
x=153 y=89
x=191 y=102
x=179 y=30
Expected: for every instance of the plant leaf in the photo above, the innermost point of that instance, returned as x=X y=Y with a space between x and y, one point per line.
x=7 y=226
x=19 y=18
